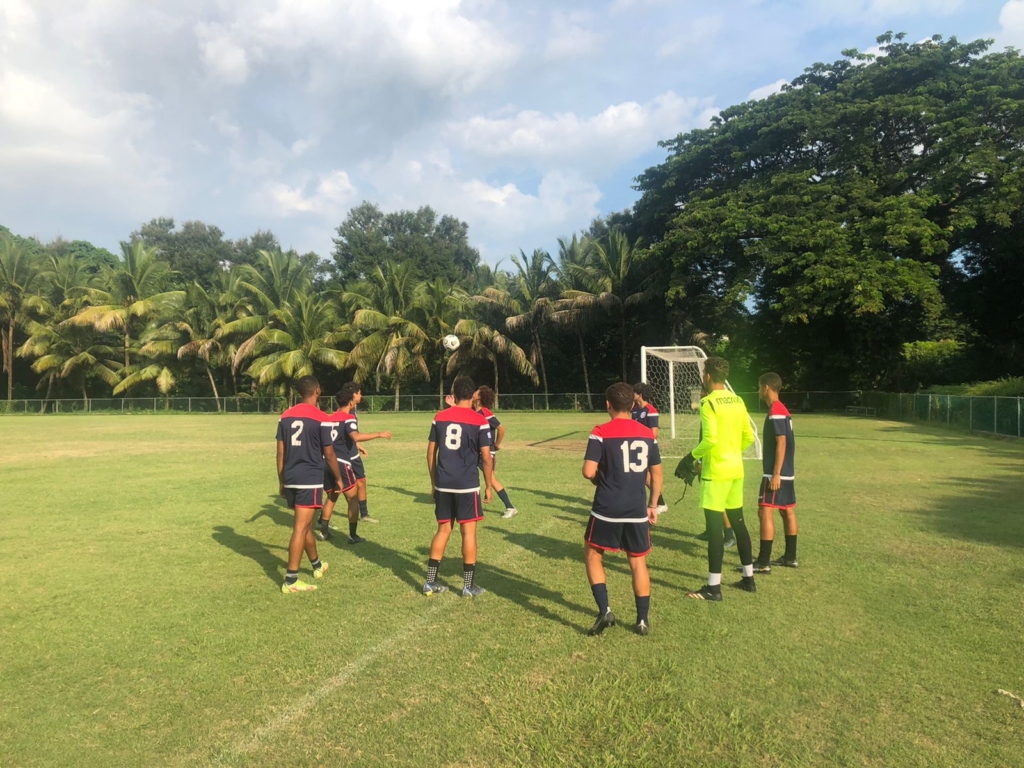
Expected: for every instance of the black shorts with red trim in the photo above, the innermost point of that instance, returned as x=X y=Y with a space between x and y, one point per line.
x=494 y=461
x=348 y=477
x=634 y=537
x=358 y=468
x=784 y=498
x=463 y=507
x=304 y=498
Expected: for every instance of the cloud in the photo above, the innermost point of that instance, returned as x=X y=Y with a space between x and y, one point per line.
x=767 y=90
x=327 y=196
x=571 y=41
x=1011 y=25
x=692 y=36
x=224 y=58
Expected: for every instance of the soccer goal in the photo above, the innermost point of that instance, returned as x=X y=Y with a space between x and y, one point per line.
x=675 y=374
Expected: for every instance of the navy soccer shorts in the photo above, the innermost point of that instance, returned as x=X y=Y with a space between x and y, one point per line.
x=348 y=477
x=358 y=468
x=304 y=498
x=634 y=538
x=784 y=498
x=463 y=507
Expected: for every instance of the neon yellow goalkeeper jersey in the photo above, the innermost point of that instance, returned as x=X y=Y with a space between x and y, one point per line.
x=725 y=434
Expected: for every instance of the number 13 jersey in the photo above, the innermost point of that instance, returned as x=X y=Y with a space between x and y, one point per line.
x=624 y=450
x=459 y=433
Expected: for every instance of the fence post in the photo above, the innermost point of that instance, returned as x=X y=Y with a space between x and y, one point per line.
x=1018 y=416
x=970 y=404
x=995 y=413
x=190 y=405
x=949 y=409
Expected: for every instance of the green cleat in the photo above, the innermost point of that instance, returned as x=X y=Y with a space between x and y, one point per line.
x=298 y=586
x=318 y=573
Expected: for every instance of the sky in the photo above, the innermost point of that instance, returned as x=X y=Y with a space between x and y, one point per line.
x=525 y=118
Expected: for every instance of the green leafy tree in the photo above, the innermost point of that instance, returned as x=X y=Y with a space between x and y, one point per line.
x=482 y=343
x=69 y=353
x=19 y=278
x=575 y=280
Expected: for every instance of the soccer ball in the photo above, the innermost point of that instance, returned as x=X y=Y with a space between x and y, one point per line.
x=451 y=342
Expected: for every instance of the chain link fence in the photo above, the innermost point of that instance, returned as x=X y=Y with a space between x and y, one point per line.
x=995 y=415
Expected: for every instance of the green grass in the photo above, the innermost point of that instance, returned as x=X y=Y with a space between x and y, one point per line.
x=141 y=622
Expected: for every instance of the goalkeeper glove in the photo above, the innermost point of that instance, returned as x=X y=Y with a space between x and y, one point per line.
x=687 y=469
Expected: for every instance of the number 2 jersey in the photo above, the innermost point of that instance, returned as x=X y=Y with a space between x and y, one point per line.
x=459 y=433
x=624 y=450
x=305 y=430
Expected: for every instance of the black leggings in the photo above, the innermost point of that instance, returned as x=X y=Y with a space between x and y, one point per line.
x=715 y=526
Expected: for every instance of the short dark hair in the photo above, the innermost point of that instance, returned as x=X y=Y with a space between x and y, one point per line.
x=307 y=385
x=486 y=395
x=771 y=380
x=644 y=390
x=620 y=397
x=717 y=368
x=463 y=388
x=347 y=393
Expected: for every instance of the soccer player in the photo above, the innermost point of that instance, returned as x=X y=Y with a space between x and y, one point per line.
x=357 y=462
x=345 y=438
x=303 y=442
x=725 y=434
x=483 y=401
x=620 y=454
x=645 y=413
x=777 y=489
x=460 y=438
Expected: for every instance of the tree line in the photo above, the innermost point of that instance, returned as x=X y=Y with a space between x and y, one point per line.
x=860 y=229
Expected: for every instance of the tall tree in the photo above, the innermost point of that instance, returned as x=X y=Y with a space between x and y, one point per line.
x=575 y=280
x=19 y=277
x=481 y=342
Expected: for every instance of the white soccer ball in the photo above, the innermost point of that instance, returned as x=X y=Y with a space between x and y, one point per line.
x=451 y=342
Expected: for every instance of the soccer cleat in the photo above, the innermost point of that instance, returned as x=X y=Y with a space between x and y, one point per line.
x=786 y=562
x=297 y=586
x=322 y=531
x=433 y=588
x=357 y=539
x=605 y=620
x=510 y=512
x=707 y=592
x=642 y=628
x=662 y=509
x=730 y=542
x=473 y=591
x=318 y=573
x=746 y=584
x=368 y=519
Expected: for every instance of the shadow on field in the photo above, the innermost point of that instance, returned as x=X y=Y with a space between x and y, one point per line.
x=276 y=511
x=408 y=569
x=418 y=497
x=254 y=549
x=988 y=510
x=531 y=595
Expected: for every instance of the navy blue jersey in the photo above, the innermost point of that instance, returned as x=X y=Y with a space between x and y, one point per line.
x=343 y=427
x=624 y=450
x=493 y=422
x=304 y=431
x=648 y=415
x=778 y=424
x=459 y=434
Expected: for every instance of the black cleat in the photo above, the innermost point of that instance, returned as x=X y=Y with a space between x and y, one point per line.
x=605 y=620
x=357 y=539
x=703 y=536
x=730 y=541
x=707 y=592
x=786 y=562
x=746 y=584
x=322 y=531
x=642 y=628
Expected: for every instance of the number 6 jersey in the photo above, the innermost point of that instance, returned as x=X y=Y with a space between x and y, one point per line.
x=624 y=450
x=459 y=433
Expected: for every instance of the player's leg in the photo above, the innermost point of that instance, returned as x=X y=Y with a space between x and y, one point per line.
x=323 y=526
x=636 y=541
x=444 y=511
x=790 y=527
x=510 y=510
x=601 y=536
x=364 y=512
x=352 y=497
x=468 y=514
x=301 y=528
x=735 y=516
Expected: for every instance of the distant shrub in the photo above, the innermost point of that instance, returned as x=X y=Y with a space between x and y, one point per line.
x=1011 y=386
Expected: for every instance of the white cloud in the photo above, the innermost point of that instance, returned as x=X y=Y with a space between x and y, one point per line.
x=692 y=36
x=767 y=90
x=1011 y=25
x=570 y=39
x=328 y=196
x=223 y=57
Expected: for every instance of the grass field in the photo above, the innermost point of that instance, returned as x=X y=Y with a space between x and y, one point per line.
x=141 y=622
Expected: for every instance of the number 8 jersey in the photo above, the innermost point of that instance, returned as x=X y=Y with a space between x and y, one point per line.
x=459 y=433
x=624 y=450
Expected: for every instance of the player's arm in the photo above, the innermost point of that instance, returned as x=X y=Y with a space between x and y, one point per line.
x=499 y=435
x=280 y=467
x=360 y=437
x=656 y=486
x=332 y=462
x=488 y=464
x=780 y=456
x=590 y=470
x=431 y=463
x=655 y=431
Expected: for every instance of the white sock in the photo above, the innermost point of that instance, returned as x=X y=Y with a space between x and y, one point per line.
x=748 y=570
x=714 y=579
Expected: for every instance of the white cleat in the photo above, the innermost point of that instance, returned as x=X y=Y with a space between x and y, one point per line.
x=662 y=508
x=510 y=512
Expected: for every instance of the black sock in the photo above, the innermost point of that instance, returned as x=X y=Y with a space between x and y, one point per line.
x=363 y=512
x=643 y=605
x=714 y=523
x=315 y=563
x=468 y=572
x=352 y=528
x=765 y=555
x=791 y=547
x=739 y=527
x=322 y=521
x=432 y=566
x=601 y=596
x=291 y=577
x=661 y=499
x=503 y=495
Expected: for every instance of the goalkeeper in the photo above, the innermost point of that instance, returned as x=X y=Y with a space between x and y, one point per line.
x=725 y=434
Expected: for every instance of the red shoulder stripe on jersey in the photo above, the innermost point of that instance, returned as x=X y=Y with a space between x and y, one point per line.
x=622 y=428
x=778 y=409
x=486 y=413
x=341 y=417
x=462 y=416
x=651 y=410
x=305 y=411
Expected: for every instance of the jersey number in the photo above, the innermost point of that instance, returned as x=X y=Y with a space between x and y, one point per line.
x=297 y=427
x=334 y=434
x=453 y=437
x=640 y=465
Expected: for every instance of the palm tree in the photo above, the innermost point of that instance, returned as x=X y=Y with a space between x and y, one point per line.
x=614 y=283
x=482 y=342
x=19 y=275
x=69 y=353
x=132 y=296
x=439 y=306
x=392 y=342
x=527 y=303
x=571 y=271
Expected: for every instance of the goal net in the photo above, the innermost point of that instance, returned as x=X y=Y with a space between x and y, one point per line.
x=675 y=374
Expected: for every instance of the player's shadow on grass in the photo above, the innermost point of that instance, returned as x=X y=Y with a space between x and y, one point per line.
x=987 y=510
x=276 y=511
x=252 y=548
x=407 y=568
x=418 y=497
x=531 y=595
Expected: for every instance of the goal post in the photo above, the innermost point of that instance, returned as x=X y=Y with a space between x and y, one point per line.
x=675 y=374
